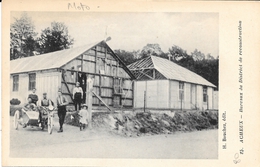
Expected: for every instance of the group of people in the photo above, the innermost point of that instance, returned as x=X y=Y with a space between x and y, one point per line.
x=62 y=102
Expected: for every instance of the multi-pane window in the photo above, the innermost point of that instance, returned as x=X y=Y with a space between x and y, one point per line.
x=204 y=94
x=181 y=90
x=32 y=81
x=15 y=82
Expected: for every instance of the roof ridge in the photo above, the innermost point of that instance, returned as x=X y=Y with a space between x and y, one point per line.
x=186 y=73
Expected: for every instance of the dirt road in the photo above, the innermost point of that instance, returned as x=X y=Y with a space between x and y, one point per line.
x=72 y=143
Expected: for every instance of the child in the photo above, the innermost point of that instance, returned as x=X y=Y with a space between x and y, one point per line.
x=83 y=114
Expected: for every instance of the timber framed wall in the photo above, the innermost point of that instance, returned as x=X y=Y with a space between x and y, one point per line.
x=111 y=81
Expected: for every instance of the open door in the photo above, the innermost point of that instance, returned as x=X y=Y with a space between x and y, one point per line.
x=82 y=79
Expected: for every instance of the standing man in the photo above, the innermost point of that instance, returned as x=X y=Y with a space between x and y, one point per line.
x=77 y=96
x=61 y=103
x=33 y=96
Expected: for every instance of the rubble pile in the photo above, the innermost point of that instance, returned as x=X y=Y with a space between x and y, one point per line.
x=136 y=124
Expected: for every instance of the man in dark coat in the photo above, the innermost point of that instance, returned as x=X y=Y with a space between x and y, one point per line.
x=61 y=103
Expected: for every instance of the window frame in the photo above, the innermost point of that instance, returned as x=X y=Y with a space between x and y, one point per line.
x=181 y=91
x=32 y=83
x=16 y=83
x=205 y=94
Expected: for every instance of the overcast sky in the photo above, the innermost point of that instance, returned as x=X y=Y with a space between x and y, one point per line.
x=132 y=31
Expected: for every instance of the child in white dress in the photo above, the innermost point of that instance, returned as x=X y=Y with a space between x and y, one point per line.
x=83 y=114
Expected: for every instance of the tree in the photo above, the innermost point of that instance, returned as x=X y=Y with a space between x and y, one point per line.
x=151 y=49
x=22 y=42
x=197 y=55
x=126 y=57
x=177 y=53
x=55 y=38
x=209 y=57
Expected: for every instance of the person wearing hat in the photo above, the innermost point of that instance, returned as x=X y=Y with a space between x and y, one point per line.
x=77 y=96
x=45 y=102
x=83 y=114
x=61 y=104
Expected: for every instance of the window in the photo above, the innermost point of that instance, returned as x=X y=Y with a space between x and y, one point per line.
x=181 y=90
x=32 y=81
x=15 y=83
x=204 y=94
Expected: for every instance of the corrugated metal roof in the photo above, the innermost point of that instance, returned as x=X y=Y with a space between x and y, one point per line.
x=176 y=72
x=48 y=60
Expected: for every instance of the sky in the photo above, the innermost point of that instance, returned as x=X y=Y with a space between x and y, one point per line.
x=132 y=31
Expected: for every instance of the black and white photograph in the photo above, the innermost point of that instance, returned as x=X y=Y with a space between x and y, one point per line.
x=109 y=85
x=130 y=83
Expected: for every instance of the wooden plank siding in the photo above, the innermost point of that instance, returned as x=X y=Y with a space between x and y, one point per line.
x=165 y=94
x=46 y=81
x=99 y=62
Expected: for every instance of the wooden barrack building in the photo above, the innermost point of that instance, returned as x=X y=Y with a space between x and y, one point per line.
x=62 y=69
x=162 y=84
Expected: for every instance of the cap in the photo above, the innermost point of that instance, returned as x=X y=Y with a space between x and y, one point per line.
x=44 y=93
x=84 y=105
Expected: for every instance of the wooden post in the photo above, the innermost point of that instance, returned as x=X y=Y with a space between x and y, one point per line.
x=100 y=78
x=89 y=89
x=96 y=59
x=181 y=100
x=144 y=100
x=81 y=62
x=207 y=102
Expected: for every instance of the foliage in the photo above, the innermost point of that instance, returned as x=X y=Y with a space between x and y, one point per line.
x=197 y=55
x=14 y=108
x=55 y=38
x=15 y=101
x=22 y=37
x=23 y=41
x=151 y=49
x=177 y=53
x=125 y=56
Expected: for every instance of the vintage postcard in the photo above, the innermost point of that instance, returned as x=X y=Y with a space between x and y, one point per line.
x=130 y=83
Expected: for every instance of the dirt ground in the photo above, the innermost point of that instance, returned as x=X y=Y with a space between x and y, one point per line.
x=73 y=143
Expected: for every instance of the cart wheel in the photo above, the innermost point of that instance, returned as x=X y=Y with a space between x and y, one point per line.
x=50 y=124
x=16 y=118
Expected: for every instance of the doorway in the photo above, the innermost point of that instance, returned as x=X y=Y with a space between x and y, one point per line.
x=82 y=79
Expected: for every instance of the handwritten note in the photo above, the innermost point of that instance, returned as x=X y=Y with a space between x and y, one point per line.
x=78 y=7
